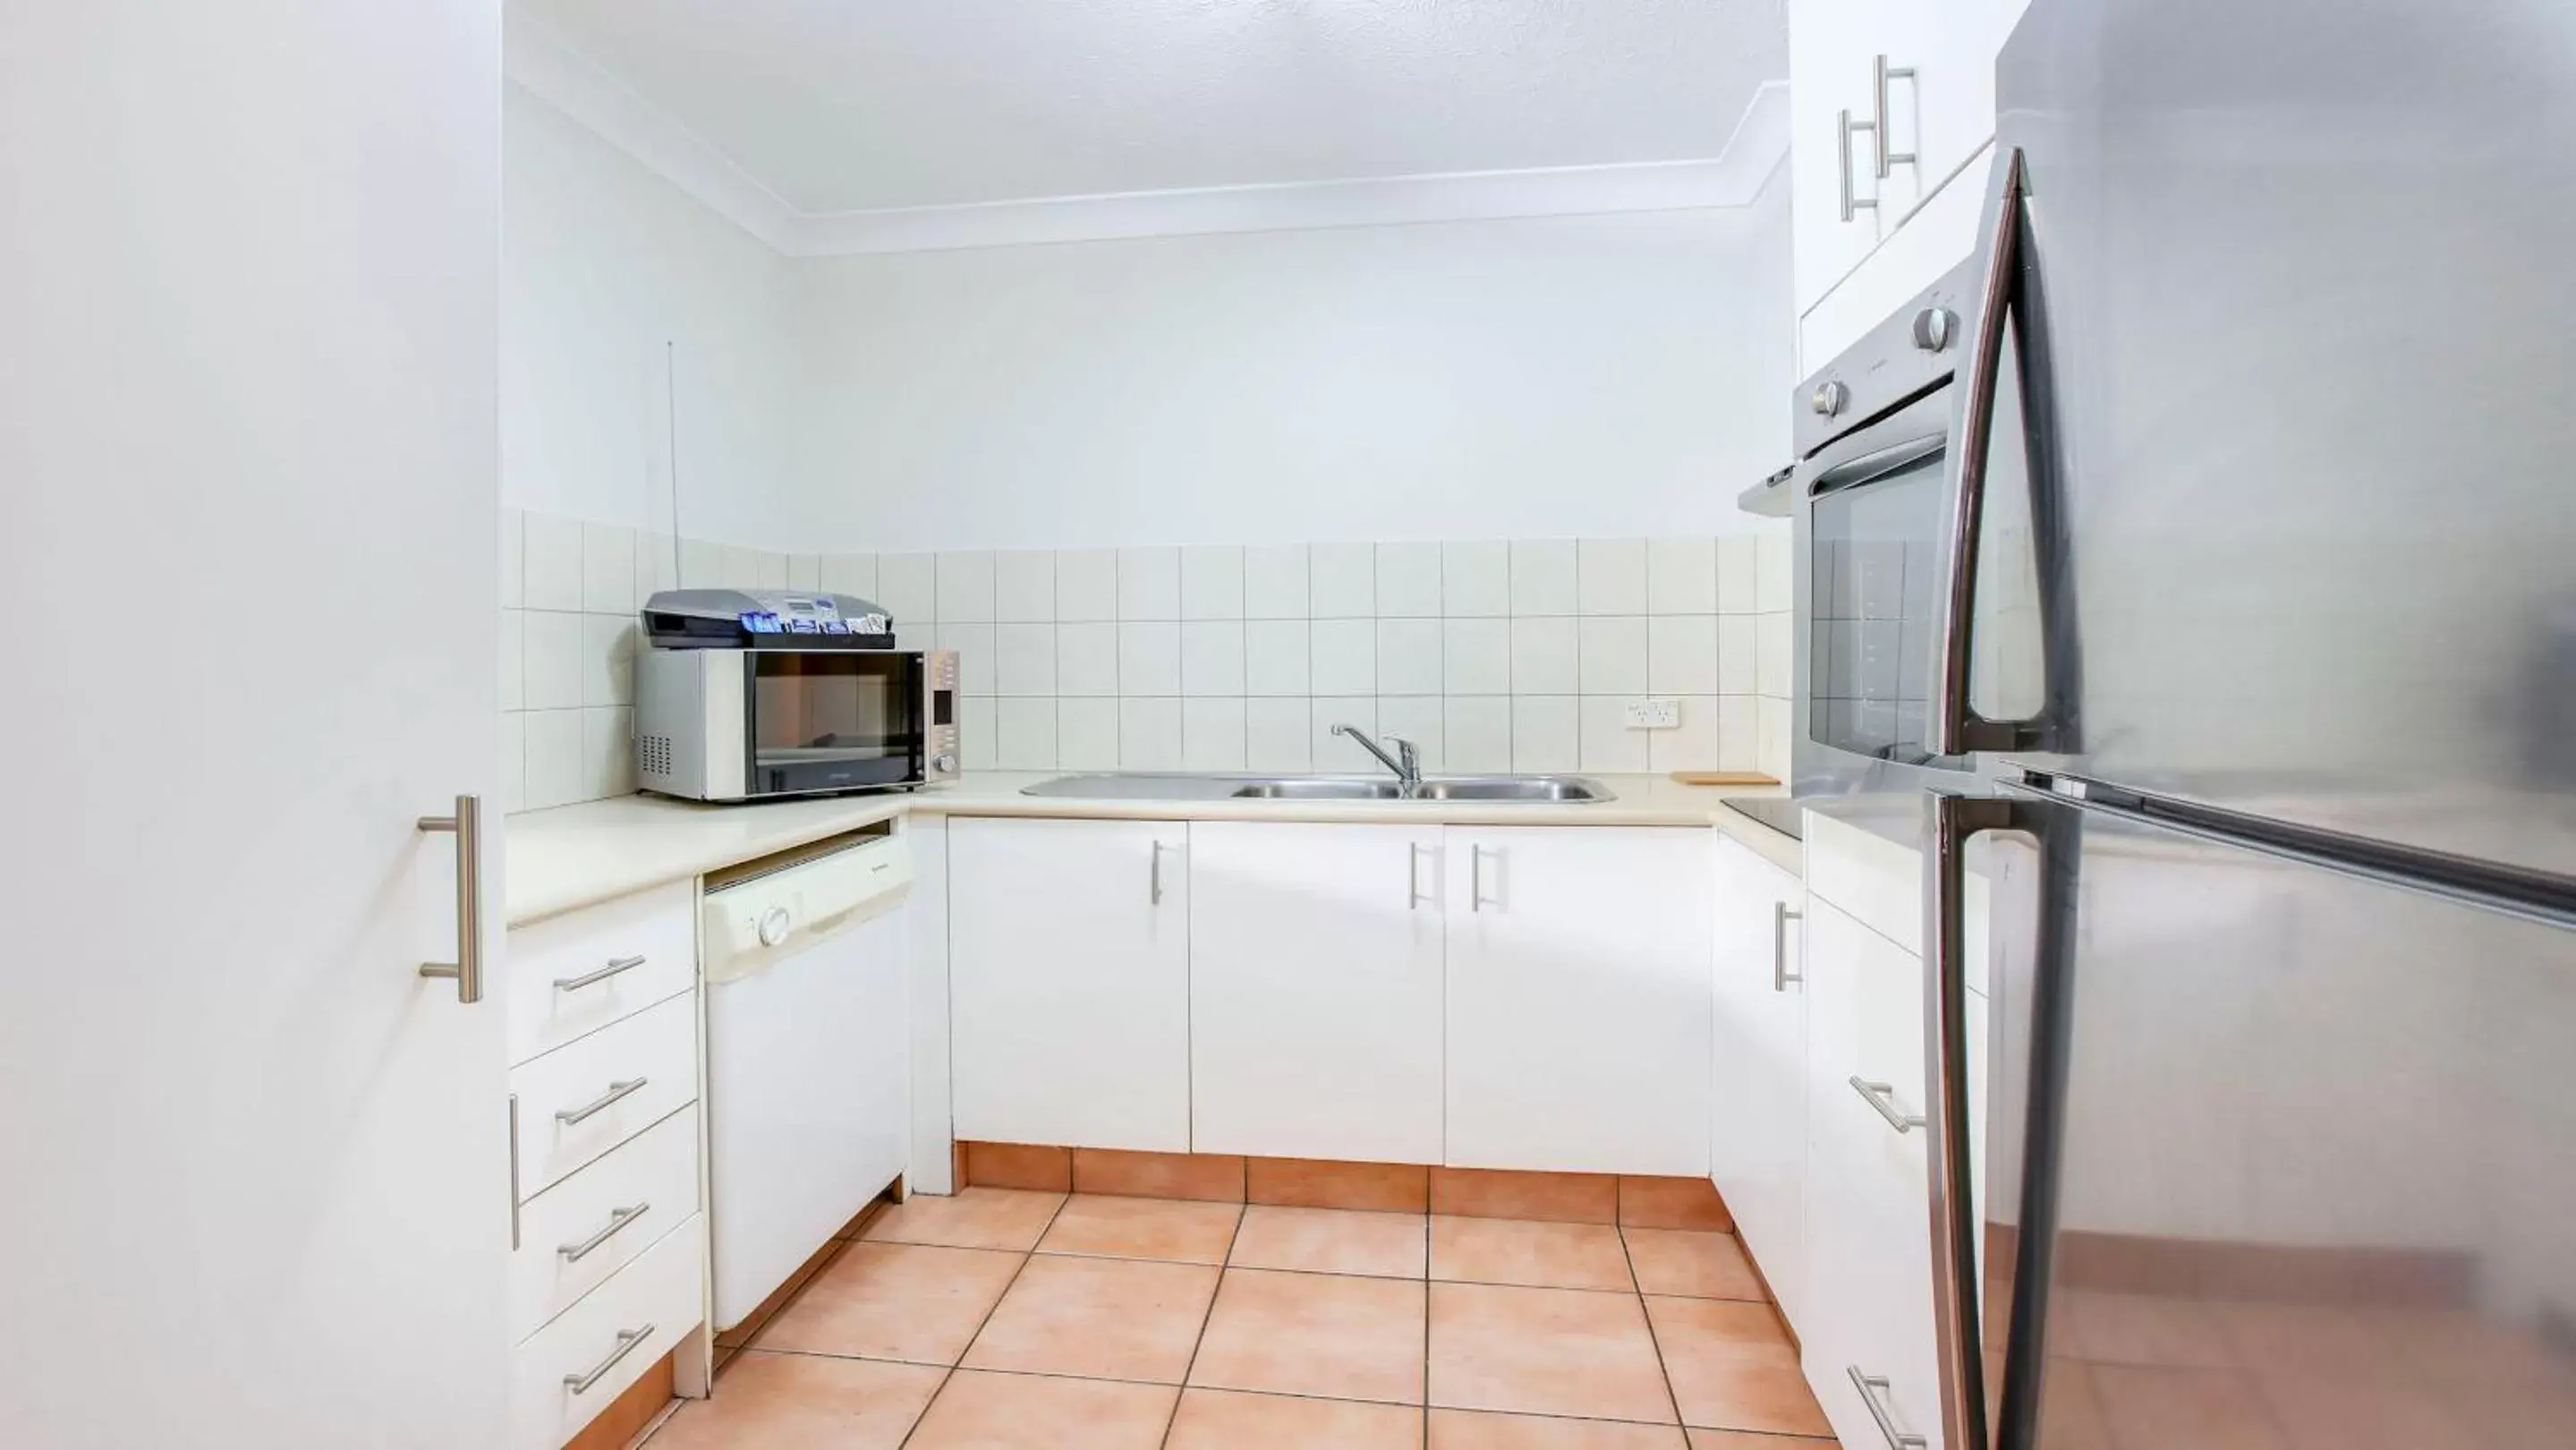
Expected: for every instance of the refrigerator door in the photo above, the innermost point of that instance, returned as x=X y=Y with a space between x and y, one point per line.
x=2283 y=1154
x=2293 y=330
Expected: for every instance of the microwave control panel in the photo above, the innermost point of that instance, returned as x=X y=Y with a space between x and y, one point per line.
x=940 y=749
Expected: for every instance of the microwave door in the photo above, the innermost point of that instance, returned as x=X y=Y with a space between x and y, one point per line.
x=835 y=721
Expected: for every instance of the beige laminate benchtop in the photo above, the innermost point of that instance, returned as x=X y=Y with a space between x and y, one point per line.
x=570 y=857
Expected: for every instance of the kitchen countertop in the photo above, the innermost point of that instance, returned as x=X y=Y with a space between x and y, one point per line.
x=570 y=857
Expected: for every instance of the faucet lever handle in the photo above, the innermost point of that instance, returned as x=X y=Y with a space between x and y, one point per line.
x=1407 y=752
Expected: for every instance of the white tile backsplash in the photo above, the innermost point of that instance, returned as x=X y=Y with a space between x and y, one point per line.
x=1024 y=587
x=1275 y=581
x=1086 y=585
x=1408 y=656
x=1212 y=582
x=1492 y=655
x=1149 y=659
x=1408 y=581
x=1149 y=584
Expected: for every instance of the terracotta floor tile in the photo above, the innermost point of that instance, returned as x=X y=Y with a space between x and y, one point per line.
x=1544 y=1352
x=1554 y=1197
x=1753 y=1440
x=1314 y=1334
x=974 y=1218
x=2308 y=1339
x=1014 y=1165
x=2379 y=1413
x=1691 y=1264
x=1672 y=1203
x=804 y=1402
x=1120 y=1319
x=1315 y=1183
x=1215 y=1177
x=2206 y=1409
x=1481 y=1430
x=1540 y=1255
x=1143 y=1228
x=894 y=1301
x=1036 y=1412
x=2456 y=1347
x=1331 y=1241
x=1733 y=1368
x=1230 y=1420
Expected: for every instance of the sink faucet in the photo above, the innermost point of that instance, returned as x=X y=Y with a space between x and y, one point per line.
x=1406 y=762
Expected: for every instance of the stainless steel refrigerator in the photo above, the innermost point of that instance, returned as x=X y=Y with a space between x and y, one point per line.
x=2261 y=608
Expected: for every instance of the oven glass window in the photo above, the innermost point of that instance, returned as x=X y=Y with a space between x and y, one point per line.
x=1875 y=589
x=825 y=720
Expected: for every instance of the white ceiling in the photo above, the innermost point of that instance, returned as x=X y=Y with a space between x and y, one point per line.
x=858 y=105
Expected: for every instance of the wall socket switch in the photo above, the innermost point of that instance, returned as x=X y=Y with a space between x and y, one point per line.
x=1654 y=714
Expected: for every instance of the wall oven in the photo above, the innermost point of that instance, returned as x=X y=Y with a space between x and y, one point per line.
x=1872 y=500
x=753 y=695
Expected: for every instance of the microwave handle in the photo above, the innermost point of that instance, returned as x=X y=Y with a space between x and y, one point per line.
x=1956 y=727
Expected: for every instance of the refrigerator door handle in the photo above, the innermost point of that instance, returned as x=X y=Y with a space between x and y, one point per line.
x=1958 y=1342
x=1956 y=726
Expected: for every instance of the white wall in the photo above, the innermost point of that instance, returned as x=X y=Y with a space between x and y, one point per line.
x=603 y=264
x=1559 y=377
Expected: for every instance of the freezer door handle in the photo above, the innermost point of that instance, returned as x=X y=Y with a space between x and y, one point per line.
x=1948 y=825
x=1956 y=727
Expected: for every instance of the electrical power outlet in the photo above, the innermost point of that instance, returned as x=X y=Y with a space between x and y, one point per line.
x=1654 y=714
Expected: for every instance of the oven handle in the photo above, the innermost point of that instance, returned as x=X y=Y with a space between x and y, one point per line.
x=1871 y=467
x=1956 y=726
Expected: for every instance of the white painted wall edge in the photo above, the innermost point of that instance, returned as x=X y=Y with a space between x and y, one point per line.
x=544 y=64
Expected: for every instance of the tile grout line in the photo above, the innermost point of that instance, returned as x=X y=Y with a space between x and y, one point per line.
x=928 y=1405
x=1671 y=1395
x=1224 y=1266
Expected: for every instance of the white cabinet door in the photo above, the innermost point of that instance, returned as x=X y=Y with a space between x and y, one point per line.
x=1758 y=1032
x=1315 y=990
x=1868 y=1238
x=1829 y=78
x=1069 y=982
x=258 y=1165
x=1578 y=998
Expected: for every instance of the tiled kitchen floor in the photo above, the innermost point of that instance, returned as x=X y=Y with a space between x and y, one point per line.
x=1005 y=1319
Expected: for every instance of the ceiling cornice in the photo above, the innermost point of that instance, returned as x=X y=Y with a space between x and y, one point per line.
x=543 y=64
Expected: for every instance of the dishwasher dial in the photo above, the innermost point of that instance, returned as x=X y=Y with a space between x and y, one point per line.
x=773 y=926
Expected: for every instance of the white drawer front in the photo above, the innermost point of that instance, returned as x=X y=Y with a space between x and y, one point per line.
x=586 y=1097
x=628 y=955
x=573 y=1236
x=656 y=1300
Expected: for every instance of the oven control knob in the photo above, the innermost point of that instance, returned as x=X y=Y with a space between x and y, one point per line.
x=1934 y=327
x=773 y=926
x=1831 y=398
x=945 y=765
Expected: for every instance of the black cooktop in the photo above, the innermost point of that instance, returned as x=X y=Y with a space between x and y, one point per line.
x=1785 y=814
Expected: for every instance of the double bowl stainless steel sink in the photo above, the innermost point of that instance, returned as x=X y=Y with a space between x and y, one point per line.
x=1499 y=789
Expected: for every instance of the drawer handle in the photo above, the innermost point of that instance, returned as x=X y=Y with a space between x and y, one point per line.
x=1781 y=976
x=618 y=1219
x=1872 y=1387
x=627 y=1339
x=602 y=1103
x=1882 y=1096
x=1413 y=875
x=618 y=967
x=1477 y=900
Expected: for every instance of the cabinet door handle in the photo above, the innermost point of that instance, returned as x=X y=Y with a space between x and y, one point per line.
x=1853 y=205
x=467 y=826
x=1882 y=1096
x=1413 y=875
x=593 y=979
x=600 y=1104
x=1154 y=891
x=627 y=1339
x=1477 y=900
x=1873 y=1391
x=514 y=1173
x=1880 y=74
x=1781 y=976
x=618 y=1219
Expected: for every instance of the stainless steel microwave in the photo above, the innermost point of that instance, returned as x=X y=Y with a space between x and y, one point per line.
x=745 y=695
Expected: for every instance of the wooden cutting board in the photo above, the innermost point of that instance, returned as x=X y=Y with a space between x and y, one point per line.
x=1724 y=777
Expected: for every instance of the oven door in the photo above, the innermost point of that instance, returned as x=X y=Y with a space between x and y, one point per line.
x=831 y=720
x=1871 y=509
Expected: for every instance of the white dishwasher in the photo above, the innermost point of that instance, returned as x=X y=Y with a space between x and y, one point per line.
x=808 y=1056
